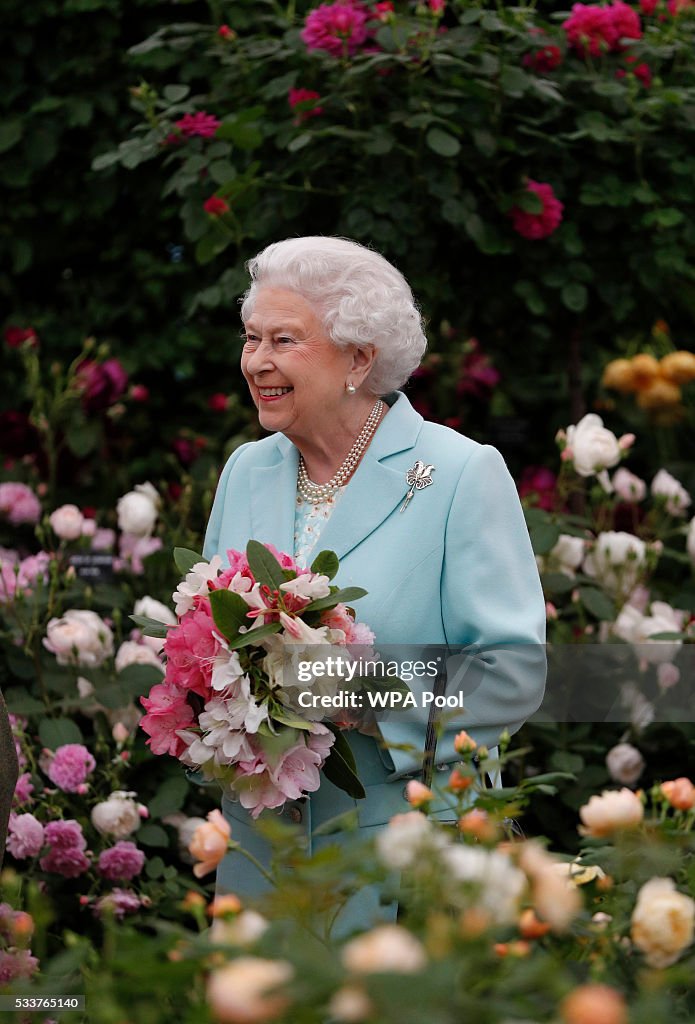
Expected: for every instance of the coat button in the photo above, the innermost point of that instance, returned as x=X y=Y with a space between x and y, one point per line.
x=294 y=814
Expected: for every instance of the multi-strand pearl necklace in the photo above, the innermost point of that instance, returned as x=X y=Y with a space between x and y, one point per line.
x=319 y=492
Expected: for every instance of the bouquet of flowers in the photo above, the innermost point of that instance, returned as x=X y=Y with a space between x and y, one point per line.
x=239 y=700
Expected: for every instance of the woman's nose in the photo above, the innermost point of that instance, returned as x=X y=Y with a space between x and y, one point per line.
x=258 y=359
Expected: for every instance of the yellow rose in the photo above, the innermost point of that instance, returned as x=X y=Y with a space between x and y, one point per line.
x=612 y=810
x=662 y=922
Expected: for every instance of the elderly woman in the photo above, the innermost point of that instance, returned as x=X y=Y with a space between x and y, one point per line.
x=331 y=333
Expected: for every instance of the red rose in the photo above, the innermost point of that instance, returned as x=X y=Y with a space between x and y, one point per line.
x=218 y=402
x=216 y=206
x=538 y=225
x=16 y=336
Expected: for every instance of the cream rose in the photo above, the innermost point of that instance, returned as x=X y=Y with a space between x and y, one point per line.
x=67 y=522
x=80 y=637
x=137 y=510
x=627 y=486
x=405 y=838
x=119 y=816
x=566 y=556
x=130 y=653
x=244 y=929
x=662 y=922
x=625 y=763
x=611 y=811
x=591 y=446
x=617 y=560
x=388 y=948
x=677 y=498
x=245 y=991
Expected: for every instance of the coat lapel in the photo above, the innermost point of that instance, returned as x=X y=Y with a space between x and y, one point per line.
x=273 y=495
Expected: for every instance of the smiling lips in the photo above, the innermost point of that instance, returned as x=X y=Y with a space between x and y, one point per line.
x=273 y=394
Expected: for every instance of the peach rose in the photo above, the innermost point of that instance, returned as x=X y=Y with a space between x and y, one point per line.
x=245 y=991
x=388 y=948
x=594 y=1004
x=416 y=794
x=611 y=811
x=680 y=793
x=209 y=843
x=662 y=922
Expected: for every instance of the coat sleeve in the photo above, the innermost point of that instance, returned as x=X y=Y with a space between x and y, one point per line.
x=492 y=606
x=216 y=520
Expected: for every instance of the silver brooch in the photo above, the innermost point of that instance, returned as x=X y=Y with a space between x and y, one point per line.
x=418 y=477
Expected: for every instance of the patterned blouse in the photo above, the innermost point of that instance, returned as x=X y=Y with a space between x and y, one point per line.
x=310 y=517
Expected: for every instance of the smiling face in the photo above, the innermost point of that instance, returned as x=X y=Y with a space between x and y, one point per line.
x=295 y=373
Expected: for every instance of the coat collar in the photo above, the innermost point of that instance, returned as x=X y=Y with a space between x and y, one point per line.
x=371 y=496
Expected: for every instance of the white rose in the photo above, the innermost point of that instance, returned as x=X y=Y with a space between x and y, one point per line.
x=566 y=556
x=80 y=637
x=662 y=922
x=388 y=948
x=628 y=625
x=625 y=763
x=690 y=541
x=154 y=610
x=501 y=884
x=130 y=653
x=662 y=619
x=666 y=486
x=627 y=486
x=137 y=510
x=612 y=810
x=244 y=929
x=245 y=990
x=405 y=838
x=119 y=816
x=592 y=446
x=67 y=522
x=617 y=560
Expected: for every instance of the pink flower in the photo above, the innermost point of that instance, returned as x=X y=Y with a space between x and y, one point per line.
x=202 y=124
x=479 y=378
x=595 y=30
x=225 y=32
x=17 y=963
x=535 y=226
x=338 y=28
x=436 y=6
x=65 y=834
x=383 y=10
x=642 y=72
x=25 y=836
x=648 y=6
x=119 y=902
x=538 y=482
x=69 y=862
x=133 y=550
x=17 y=336
x=23 y=790
x=548 y=58
x=121 y=862
x=19 y=503
x=70 y=766
x=167 y=711
x=216 y=206
x=102 y=384
x=190 y=648
x=303 y=97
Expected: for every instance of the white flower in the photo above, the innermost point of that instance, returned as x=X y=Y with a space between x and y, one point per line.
x=130 y=653
x=307 y=585
x=690 y=542
x=80 y=637
x=640 y=709
x=565 y=557
x=662 y=619
x=185 y=827
x=625 y=763
x=138 y=509
x=67 y=522
x=245 y=991
x=406 y=838
x=678 y=499
x=152 y=609
x=237 y=710
x=243 y=930
x=627 y=486
x=350 y=1004
x=555 y=896
x=592 y=446
x=195 y=584
x=662 y=922
x=119 y=816
x=617 y=560
x=226 y=670
x=501 y=884
x=388 y=948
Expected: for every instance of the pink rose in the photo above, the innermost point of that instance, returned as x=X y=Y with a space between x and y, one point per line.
x=25 y=836
x=338 y=28
x=535 y=226
x=70 y=766
x=201 y=124
x=67 y=522
x=167 y=711
x=19 y=503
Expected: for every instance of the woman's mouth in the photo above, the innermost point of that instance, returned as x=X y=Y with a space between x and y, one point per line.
x=273 y=394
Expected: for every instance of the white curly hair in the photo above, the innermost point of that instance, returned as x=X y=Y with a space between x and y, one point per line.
x=362 y=299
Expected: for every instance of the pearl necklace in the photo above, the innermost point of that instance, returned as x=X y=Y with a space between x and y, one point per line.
x=319 y=492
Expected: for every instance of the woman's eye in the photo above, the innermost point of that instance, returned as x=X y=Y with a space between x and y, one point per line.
x=251 y=339
x=285 y=341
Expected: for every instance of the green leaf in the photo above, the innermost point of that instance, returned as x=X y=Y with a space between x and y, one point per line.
x=339 y=768
x=442 y=142
x=254 y=635
x=544 y=537
x=54 y=732
x=150 y=627
x=344 y=596
x=19 y=702
x=175 y=93
x=185 y=559
x=575 y=296
x=326 y=564
x=299 y=142
x=229 y=611
x=264 y=565
x=10 y=134
x=598 y=603
x=152 y=835
x=135 y=680
x=169 y=798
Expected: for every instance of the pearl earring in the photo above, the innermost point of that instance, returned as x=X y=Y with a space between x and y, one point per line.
x=350 y=388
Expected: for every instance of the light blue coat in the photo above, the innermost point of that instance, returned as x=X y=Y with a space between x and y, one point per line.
x=455 y=568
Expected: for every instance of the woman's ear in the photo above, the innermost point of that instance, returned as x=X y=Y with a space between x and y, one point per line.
x=362 y=362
